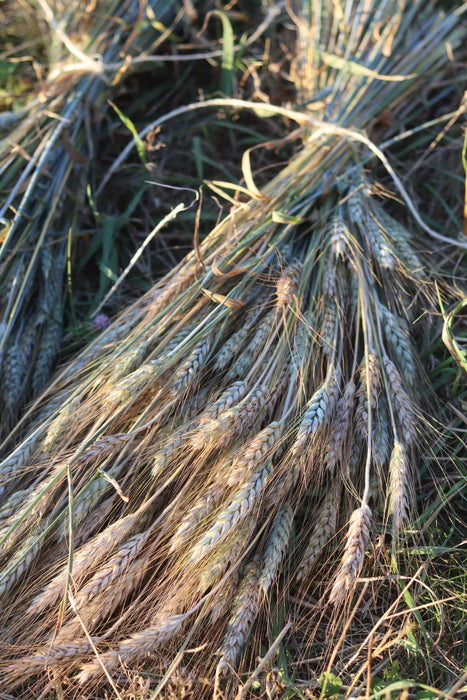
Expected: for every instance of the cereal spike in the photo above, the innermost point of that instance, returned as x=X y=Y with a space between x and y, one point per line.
x=384 y=253
x=230 y=396
x=195 y=515
x=401 y=238
x=13 y=371
x=324 y=529
x=229 y=551
x=137 y=646
x=235 y=513
x=380 y=435
x=223 y=430
x=287 y=285
x=60 y=424
x=369 y=380
x=231 y=348
x=236 y=342
x=112 y=569
x=12 y=466
x=399 y=343
x=84 y=560
x=105 y=446
x=249 y=355
x=260 y=446
x=276 y=547
x=329 y=326
x=340 y=426
x=399 y=499
x=400 y=398
x=339 y=236
x=245 y=609
x=189 y=370
x=318 y=411
x=140 y=379
x=22 y=560
x=50 y=341
x=358 y=537
x=54 y=655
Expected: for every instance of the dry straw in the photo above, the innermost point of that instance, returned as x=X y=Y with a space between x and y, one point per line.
x=250 y=409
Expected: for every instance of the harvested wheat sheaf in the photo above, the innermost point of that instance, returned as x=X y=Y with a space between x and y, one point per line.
x=220 y=443
x=47 y=148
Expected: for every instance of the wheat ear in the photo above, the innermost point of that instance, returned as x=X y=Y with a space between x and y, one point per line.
x=358 y=536
x=276 y=547
x=55 y=655
x=287 y=285
x=22 y=560
x=106 y=601
x=138 y=646
x=245 y=608
x=368 y=391
x=222 y=431
x=260 y=446
x=399 y=343
x=112 y=569
x=235 y=471
x=324 y=529
x=84 y=560
x=399 y=499
x=340 y=427
x=230 y=396
x=405 y=415
x=242 y=503
x=12 y=466
x=318 y=411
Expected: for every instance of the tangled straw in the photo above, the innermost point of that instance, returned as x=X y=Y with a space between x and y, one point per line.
x=273 y=387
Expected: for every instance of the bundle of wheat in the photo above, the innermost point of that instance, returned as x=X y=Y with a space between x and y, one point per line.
x=270 y=382
x=47 y=148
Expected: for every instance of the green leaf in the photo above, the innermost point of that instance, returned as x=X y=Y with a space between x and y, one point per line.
x=386 y=690
x=392 y=673
x=426 y=695
x=134 y=132
x=358 y=69
x=228 y=52
x=198 y=156
x=459 y=355
x=331 y=685
x=280 y=218
x=108 y=272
